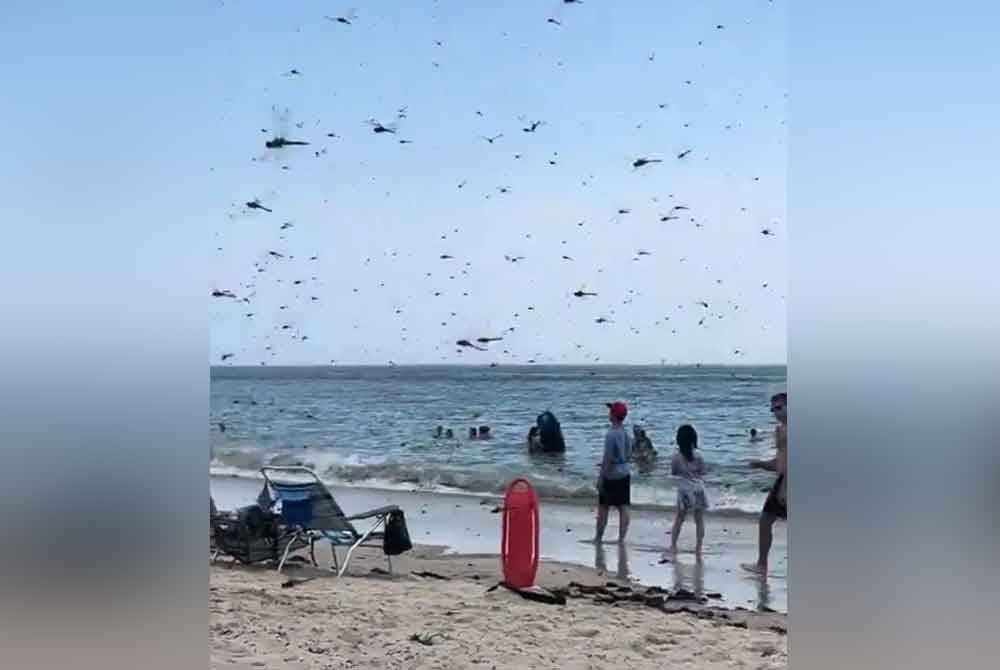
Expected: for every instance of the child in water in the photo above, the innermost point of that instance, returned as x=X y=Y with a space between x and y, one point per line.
x=643 y=452
x=534 y=440
x=689 y=468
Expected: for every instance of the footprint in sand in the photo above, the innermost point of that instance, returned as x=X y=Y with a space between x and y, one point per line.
x=351 y=637
x=764 y=648
x=679 y=629
x=657 y=640
x=585 y=632
x=639 y=647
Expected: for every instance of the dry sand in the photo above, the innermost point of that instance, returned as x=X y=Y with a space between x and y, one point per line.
x=366 y=620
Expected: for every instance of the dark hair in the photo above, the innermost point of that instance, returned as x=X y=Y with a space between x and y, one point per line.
x=783 y=397
x=687 y=440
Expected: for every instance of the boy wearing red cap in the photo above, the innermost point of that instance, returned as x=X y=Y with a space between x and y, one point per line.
x=614 y=483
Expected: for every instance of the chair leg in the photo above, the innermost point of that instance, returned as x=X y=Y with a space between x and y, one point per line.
x=288 y=548
x=354 y=546
x=312 y=551
x=388 y=560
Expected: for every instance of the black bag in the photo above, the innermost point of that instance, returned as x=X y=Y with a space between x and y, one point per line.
x=250 y=535
x=397 y=537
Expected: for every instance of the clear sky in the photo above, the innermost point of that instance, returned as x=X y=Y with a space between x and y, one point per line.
x=612 y=83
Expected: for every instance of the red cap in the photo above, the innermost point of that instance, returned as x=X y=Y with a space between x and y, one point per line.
x=618 y=409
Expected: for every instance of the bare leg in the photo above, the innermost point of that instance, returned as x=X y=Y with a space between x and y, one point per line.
x=623 y=521
x=676 y=532
x=602 y=522
x=699 y=524
x=764 y=538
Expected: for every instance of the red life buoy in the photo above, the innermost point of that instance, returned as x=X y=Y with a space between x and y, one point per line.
x=519 y=536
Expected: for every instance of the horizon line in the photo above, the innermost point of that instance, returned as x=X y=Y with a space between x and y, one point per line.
x=498 y=365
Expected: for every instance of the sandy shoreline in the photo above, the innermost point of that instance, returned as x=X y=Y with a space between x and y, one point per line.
x=464 y=526
x=367 y=620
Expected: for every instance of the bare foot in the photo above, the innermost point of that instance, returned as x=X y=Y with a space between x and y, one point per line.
x=759 y=570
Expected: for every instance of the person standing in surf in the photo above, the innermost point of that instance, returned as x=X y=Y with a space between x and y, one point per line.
x=689 y=468
x=550 y=436
x=614 y=481
x=776 y=504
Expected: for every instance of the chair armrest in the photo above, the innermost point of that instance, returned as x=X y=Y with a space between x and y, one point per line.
x=381 y=511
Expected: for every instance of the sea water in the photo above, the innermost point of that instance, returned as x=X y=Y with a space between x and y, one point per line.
x=374 y=426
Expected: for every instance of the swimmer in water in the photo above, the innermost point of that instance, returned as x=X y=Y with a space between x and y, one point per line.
x=534 y=439
x=754 y=437
x=449 y=434
x=439 y=432
x=472 y=434
x=643 y=453
x=484 y=432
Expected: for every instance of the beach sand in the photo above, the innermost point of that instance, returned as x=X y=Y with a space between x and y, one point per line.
x=367 y=619
x=467 y=525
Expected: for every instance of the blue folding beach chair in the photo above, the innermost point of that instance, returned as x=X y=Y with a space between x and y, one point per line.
x=310 y=511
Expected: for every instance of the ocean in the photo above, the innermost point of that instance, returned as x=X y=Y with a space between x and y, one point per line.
x=374 y=426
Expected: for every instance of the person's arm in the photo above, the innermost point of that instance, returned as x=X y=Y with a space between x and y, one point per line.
x=675 y=467
x=770 y=464
x=610 y=447
x=700 y=462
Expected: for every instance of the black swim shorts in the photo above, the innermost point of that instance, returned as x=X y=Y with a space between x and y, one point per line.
x=773 y=505
x=615 y=492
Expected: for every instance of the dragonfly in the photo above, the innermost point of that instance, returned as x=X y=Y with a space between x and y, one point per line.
x=378 y=127
x=639 y=162
x=347 y=18
x=280 y=130
x=256 y=204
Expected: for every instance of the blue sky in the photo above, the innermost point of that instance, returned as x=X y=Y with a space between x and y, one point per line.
x=163 y=110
